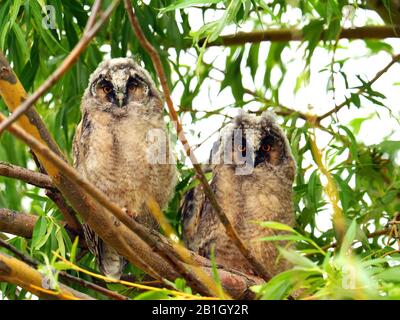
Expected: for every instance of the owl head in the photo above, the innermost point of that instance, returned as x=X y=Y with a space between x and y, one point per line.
x=251 y=144
x=120 y=86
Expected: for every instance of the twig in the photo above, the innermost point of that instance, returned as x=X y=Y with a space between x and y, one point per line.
x=65 y=66
x=68 y=213
x=32 y=177
x=284 y=111
x=231 y=232
x=395 y=59
x=369 y=235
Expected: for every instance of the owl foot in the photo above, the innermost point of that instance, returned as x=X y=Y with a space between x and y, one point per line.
x=129 y=213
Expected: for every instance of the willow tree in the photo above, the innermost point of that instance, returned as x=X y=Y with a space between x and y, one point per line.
x=241 y=52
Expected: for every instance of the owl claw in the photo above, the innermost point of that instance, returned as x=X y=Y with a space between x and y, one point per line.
x=129 y=213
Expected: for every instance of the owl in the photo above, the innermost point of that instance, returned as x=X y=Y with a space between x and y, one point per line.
x=252 y=175
x=111 y=147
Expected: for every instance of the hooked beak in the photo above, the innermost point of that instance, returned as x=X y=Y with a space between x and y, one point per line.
x=120 y=99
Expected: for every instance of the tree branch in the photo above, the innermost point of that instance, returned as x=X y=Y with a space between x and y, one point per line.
x=19 y=224
x=32 y=177
x=285 y=35
x=17 y=272
x=231 y=232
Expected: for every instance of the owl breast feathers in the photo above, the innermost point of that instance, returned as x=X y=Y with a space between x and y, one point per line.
x=120 y=107
x=253 y=172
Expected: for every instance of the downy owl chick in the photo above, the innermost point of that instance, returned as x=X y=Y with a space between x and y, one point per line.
x=253 y=172
x=119 y=108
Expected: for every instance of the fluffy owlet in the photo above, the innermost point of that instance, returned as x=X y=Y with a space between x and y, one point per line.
x=119 y=108
x=253 y=172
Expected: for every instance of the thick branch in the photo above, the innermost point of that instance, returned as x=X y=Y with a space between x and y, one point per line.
x=285 y=35
x=17 y=272
x=22 y=224
x=19 y=224
x=32 y=177
x=230 y=230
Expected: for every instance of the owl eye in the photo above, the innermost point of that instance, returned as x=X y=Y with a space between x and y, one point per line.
x=107 y=89
x=132 y=84
x=266 y=147
x=242 y=148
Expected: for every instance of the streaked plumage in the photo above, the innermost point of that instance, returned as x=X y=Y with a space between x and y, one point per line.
x=264 y=193
x=119 y=107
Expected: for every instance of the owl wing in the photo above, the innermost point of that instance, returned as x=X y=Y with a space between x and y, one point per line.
x=75 y=144
x=199 y=227
x=191 y=212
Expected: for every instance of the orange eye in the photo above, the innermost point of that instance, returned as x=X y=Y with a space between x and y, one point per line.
x=242 y=148
x=107 y=89
x=266 y=147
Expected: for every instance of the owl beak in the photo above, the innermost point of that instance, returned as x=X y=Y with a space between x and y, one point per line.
x=121 y=99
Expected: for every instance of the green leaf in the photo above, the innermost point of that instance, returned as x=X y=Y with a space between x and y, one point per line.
x=275 y=225
x=39 y=232
x=348 y=238
x=72 y=254
x=296 y=259
x=181 y=4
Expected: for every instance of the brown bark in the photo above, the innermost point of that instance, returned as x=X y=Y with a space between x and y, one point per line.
x=32 y=177
x=17 y=223
x=285 y=35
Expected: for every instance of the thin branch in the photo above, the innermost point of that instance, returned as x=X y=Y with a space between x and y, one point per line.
x=32 y=177
x=285 y=35
x=395 y=59
x=369 y=235
x=64 y=67
x=283 y=110
x=68 y=213
x=231 y=232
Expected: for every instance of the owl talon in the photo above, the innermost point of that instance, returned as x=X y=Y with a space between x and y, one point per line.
x=129 y=213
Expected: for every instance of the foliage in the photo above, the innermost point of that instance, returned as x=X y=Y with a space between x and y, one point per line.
x=366 y=177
